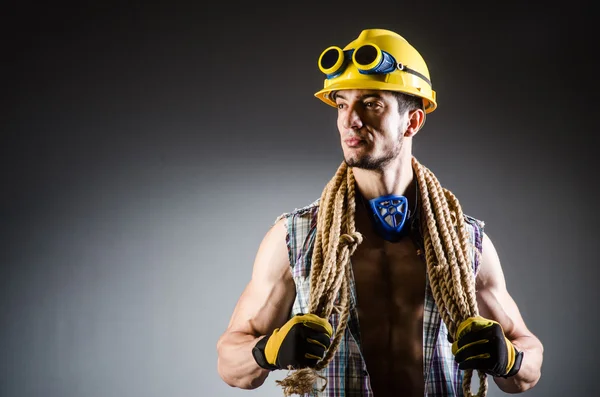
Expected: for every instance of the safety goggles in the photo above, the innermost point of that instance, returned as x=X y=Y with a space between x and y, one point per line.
x=368 y=59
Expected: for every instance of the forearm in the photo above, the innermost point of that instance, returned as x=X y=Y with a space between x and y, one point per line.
x=531 y=367
x=236 y=365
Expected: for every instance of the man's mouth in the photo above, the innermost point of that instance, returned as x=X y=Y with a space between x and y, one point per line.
x=353 y=142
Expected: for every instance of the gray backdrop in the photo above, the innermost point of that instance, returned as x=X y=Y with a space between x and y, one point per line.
x=147 y=149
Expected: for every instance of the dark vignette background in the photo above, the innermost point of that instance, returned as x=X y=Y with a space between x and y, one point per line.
x=146 y=149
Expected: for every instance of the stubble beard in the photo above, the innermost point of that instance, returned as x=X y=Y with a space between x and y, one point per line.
x=368 y=162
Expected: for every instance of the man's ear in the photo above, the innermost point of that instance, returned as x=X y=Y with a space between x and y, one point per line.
x=416 y=119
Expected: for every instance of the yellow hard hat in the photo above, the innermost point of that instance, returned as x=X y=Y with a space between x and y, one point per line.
x=378 y=59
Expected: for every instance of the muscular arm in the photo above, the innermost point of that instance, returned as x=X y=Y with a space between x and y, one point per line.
x=495 y=303
x=264 y=305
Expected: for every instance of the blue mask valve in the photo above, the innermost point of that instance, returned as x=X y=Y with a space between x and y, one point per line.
x=390 y=214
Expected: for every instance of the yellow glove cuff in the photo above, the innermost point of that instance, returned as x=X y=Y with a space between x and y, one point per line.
x=511 y=355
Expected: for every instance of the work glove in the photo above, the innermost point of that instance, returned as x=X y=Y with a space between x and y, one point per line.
x=301 y=342
x=481 y=344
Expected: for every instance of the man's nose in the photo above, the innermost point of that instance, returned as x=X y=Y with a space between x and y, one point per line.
x=352 y=119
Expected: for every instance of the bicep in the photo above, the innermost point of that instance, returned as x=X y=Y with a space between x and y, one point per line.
x=266 y=301
x=493 y=300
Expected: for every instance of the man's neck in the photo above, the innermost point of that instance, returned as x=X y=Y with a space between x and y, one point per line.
x=395 y=179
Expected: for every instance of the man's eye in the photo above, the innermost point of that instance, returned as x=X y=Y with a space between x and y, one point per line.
x=370 y=105
x=340 y=105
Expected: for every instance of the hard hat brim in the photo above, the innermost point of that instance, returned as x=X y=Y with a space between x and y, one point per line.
x=429 y=102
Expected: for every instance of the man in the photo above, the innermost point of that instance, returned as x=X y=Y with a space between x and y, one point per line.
x=382 y=286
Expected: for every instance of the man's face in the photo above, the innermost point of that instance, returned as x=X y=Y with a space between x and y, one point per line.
x=371 y=129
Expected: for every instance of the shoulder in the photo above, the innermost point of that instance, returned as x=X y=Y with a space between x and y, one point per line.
x=299 y=225
x=474 y=222
x=486 y=261
x=491 y=274
x=475 y=229
x=308 y=211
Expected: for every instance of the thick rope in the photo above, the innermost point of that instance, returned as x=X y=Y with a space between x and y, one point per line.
x=447 y=247
x=450 y=274
x=335 y=242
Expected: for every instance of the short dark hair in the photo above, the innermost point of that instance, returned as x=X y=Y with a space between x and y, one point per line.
x=407 y=102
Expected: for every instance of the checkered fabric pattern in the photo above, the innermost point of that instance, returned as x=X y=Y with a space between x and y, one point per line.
x=347 y=374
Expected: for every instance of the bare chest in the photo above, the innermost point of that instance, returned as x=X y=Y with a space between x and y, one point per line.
x=390 y=289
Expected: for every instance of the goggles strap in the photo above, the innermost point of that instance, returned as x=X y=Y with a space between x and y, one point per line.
x=412 y=71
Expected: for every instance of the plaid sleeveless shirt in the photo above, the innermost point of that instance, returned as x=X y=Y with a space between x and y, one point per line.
x=347 y=374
